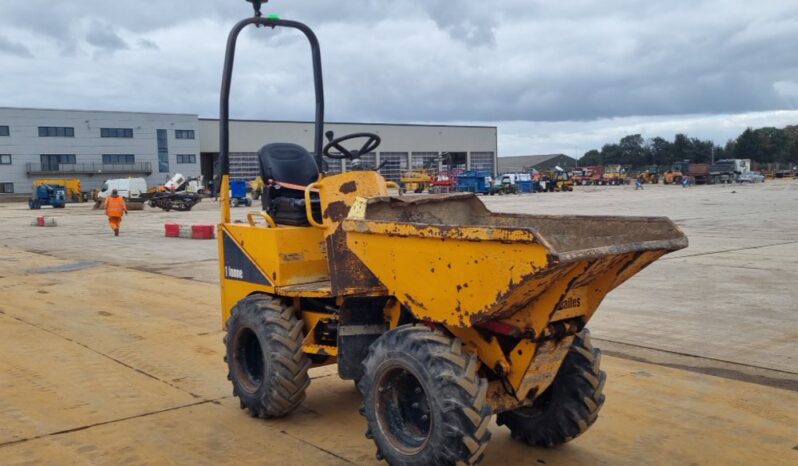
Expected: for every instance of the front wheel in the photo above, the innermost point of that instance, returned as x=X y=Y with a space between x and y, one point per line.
x=569 y=406
x=424 y=401
x=264 y=356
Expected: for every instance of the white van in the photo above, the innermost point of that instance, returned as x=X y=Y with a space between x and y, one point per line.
x=129 y=188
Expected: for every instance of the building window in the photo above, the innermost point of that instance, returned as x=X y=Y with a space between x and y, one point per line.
x=186 y=158
x=184 y=134
x=119 y=159
x=56 y=132
x=52 y=162
x=163 y=152
x=116 y=132
x=5 y=159
x=4 y=131
x=6 y=188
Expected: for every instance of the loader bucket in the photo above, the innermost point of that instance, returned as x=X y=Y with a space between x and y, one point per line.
x=449 y=259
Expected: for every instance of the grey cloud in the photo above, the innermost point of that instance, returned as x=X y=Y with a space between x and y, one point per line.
x=463 y=22
x=424 y=60
x=103 y=36
x=147 y=44
x=14 y=48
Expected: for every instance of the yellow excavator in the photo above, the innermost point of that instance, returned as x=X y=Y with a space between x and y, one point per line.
x=443 y=312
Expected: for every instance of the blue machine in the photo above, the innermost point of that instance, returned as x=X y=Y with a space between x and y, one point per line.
x=238 y=193
x=48 y=194
x=474 y=182
x=527 y=186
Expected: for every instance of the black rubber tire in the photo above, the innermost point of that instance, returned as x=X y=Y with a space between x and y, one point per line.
x=569 y=406
x=452 y=394
x=264 y=338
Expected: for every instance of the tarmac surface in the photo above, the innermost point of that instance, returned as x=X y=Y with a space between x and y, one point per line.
x=112 y=346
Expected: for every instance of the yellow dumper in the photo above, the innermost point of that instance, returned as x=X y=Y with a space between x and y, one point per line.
x=442 y=311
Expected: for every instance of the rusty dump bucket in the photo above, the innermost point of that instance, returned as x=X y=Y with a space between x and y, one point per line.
x=450 y=260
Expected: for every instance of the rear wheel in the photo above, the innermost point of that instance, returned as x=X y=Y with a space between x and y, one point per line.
x=423 y=399
x=264 y=357
x=569 y=406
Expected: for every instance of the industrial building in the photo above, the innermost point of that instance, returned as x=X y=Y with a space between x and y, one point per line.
x=94 y=146
x=403 y=145
x=97 y=145
x=525 y=163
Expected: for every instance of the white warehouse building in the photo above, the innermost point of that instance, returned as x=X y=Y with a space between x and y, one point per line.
x=98 y=145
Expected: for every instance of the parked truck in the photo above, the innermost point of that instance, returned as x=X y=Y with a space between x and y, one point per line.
x=723 y=171
x=586 y=176
x=698 y=172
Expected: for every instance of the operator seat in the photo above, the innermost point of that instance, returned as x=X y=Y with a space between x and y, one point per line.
x=290 y=168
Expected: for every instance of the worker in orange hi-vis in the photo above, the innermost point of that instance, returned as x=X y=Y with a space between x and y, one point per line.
x=115 y=208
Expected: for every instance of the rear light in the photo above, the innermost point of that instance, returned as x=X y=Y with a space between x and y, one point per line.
x=501 y=328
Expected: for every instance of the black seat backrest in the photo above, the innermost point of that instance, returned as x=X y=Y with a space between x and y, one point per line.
x=289 y=163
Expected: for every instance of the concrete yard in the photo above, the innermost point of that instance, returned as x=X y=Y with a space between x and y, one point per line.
x=112 y=353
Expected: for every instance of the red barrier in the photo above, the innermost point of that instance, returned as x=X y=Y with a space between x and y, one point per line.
x=202 y=231
x=172 y=230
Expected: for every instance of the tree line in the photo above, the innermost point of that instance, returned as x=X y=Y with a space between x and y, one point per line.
x=762 y=145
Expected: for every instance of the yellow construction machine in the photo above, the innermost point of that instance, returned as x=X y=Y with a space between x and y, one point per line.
x=256 y=187
x=416 y=180
x=672 y=177
x=444 y=312
x=649 y=176
x=71 y=185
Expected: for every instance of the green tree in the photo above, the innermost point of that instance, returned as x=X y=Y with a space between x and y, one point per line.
x=661 y=152
x=631 y=150
x=747 y=146
x=591 y=157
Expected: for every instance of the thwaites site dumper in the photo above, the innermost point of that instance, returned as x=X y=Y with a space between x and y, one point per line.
x=442 y=311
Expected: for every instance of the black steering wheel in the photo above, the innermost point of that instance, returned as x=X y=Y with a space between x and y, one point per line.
x=371 y=143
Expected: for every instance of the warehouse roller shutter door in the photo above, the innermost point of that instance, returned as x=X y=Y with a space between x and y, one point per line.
x=483 y=161
x=392 y=164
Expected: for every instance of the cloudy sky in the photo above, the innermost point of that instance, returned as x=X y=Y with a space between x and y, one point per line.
x=554 y=76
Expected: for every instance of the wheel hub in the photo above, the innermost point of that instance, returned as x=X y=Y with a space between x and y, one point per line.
x=249 y=359
x=403 y=409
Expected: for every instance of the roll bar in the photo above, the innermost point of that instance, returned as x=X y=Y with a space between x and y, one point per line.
x=227 y=72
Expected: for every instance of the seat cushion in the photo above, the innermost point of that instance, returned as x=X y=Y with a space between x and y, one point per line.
x=291 y=211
